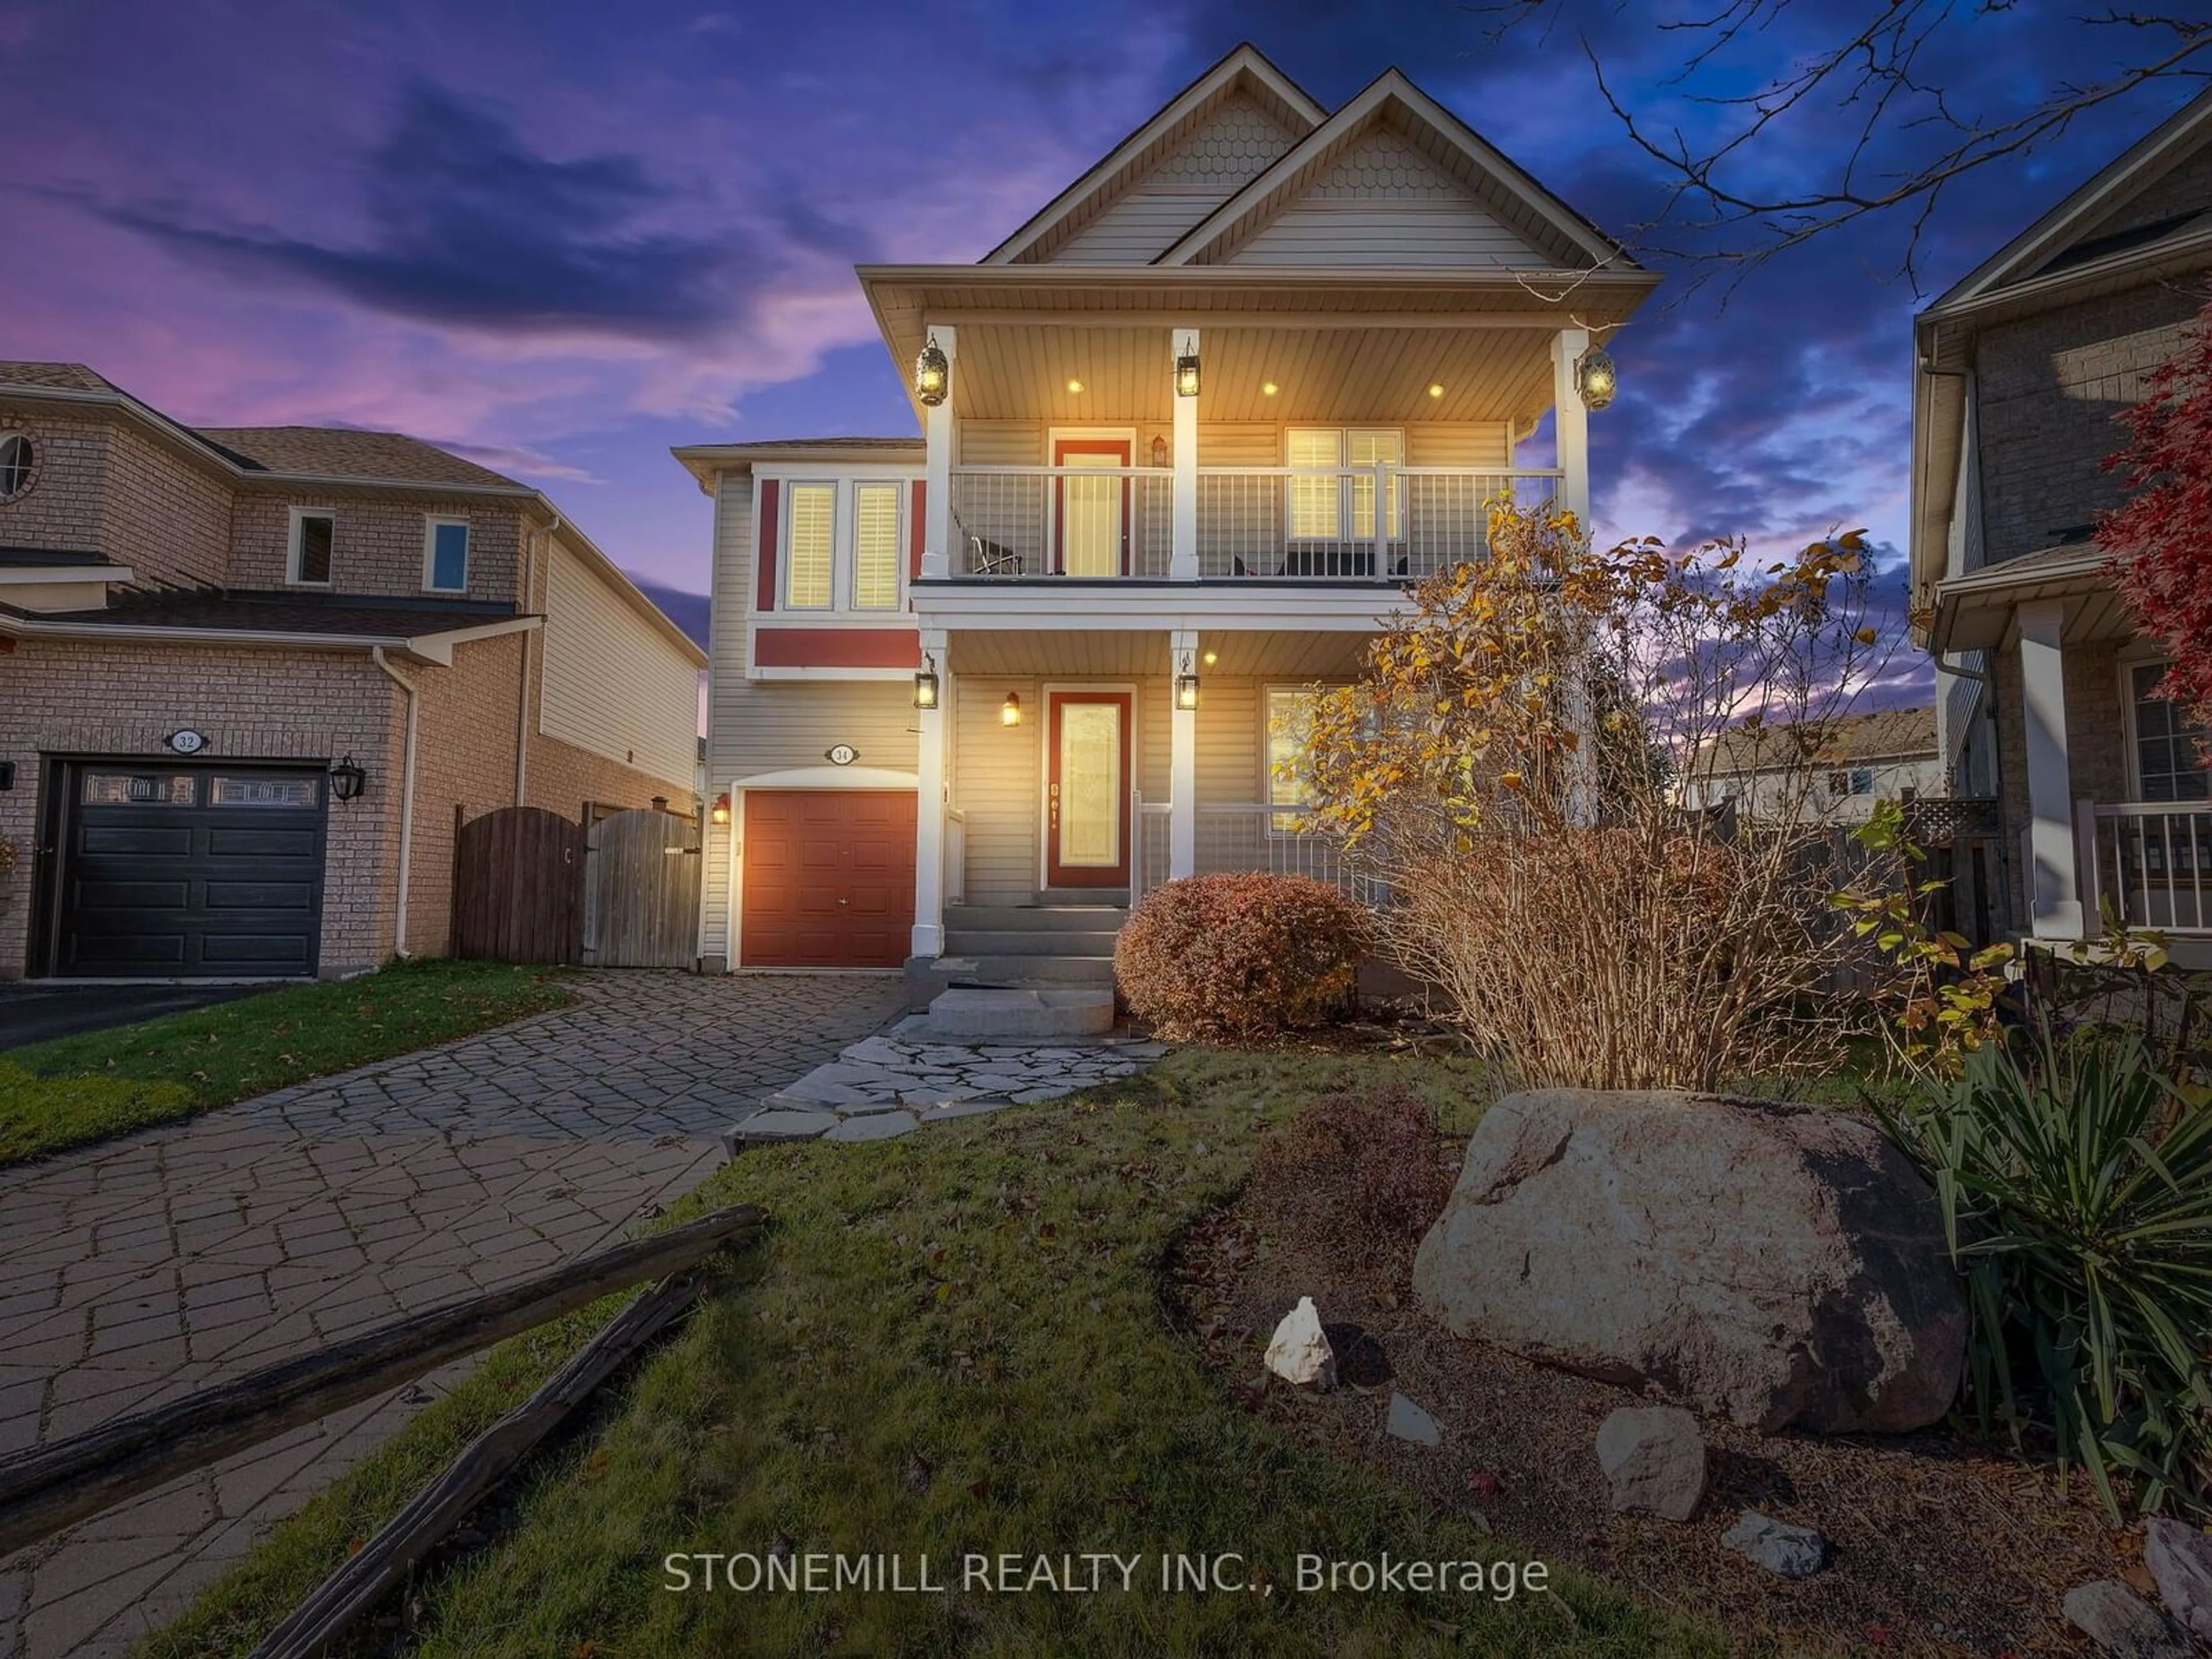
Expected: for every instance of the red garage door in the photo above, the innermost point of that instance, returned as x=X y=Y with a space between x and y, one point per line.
x=828 y=878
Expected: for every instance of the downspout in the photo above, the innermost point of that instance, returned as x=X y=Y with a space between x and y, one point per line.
x=522 y=692
x=407 y=800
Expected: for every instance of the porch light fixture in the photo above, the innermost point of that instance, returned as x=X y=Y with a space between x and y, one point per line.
x=1010 y=712
x=348 y=781
x=1268 y=388
x=1187 y=374
x=721 y=810
x=933 y=373
x=1436 y=388
x=925 y=684
x=1187 y=684
x=1075 y=387
x=1595 y=377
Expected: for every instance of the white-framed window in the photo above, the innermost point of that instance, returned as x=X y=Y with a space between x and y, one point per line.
x=810 y=546
x=1288 y=711
x=446 y=554
x=2168 y=763
x=307 y=554
x=1321 y=507
x=876 y=545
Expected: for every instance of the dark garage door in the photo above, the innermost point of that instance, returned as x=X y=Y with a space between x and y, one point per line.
x=193 y=871
x=828 y=878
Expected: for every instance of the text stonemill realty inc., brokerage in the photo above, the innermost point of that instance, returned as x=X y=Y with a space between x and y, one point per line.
x=1091 y=1572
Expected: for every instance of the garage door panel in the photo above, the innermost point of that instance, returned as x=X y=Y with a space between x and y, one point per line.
x=257 y=949
x=255 y=841
x=168 y=841
x=149 y=950
x=828 y=879
x=297 y=895
x=132 y=895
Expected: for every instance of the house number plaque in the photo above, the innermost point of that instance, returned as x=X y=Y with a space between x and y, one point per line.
x=186 y=742
x=843 y=753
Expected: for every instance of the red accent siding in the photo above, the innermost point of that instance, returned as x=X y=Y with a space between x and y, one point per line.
x=828 y=878
x=916 y=532
x=837 y=647
x=766 y=598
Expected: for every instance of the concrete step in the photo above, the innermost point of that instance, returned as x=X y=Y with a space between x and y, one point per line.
x=1035 y=918
x=965 y=1015
x=1116 y=897
x=1028 y=970
x=960 y=941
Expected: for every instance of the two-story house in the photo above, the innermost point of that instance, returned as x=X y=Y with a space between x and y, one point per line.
x=2046 y=700
x=249 y=678
x=1187 y=434
x=1829 y=771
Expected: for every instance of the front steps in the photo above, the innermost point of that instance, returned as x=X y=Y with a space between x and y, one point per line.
x=1064 y=941
x=971 y=1014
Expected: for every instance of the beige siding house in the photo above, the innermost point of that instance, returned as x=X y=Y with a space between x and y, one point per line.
x=1186 y=436
x=2045 y=707
x=250 y=677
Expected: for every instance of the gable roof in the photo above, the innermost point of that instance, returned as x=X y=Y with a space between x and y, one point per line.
x=344 y=452
x=1392 y=100
x=1245 y=69
x=2052 y=239
x=1881 y=734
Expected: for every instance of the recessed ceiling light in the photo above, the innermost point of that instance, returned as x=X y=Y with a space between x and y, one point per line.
x=1436 y=389
x=1211 y=658
x=1075 y=386
x=1268 y=388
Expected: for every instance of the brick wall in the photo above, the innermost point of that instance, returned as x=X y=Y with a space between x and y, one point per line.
x=166 y=518
x=465 y=758
x=563 y=777
x=2050 y=389
x=66 y=697
x=377 y=541
x=61 y=510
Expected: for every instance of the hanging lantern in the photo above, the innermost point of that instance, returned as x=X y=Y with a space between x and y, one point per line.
x=1595 y=378
x=1186 y=685
x=1010 y=712
x=348 y=781
x=933 y=373
x=925 y=684
x=1187 y=374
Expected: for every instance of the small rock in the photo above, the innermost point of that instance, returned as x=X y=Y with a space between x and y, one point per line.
x=1409 y=1422
x=2180 y=1561
x=1299 y=1352
x=1654 y=1457
x=2122 y=1623
x=1793 y=1552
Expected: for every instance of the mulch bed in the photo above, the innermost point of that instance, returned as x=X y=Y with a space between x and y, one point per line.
x=1942 y=1545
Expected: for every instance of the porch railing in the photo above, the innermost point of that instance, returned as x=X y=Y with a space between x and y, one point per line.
x=1303 y=524
x=1250 y=836
x=2151 y=860
x=1102 y=521
x=956 y=856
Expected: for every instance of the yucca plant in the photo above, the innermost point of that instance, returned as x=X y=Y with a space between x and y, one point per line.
x=2076 y=1181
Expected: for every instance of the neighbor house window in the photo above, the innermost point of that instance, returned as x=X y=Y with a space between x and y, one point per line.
x=1323 y=508
x=876 y=546
x=15 y=458
x=809 y=546
x=309 y=565
x=446 y=555
x=1290 y=711
x=2168 y=765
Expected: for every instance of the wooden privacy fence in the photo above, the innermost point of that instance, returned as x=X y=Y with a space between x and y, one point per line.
x=519 y=886
x=641 y=891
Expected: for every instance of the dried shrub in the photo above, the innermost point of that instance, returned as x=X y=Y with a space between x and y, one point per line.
x=1244 y=957
x=1359 y=1177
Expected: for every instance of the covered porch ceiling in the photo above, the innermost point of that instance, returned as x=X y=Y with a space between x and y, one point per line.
x=1253 y=653
x=1980 y=611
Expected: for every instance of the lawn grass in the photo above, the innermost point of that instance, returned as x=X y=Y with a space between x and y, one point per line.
x=75 y=1090
x=950 y=1344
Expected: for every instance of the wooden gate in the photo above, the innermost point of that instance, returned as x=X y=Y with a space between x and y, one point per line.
x=641 y=892
x=519 y=887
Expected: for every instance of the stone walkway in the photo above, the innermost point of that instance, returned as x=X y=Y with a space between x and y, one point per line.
x=133 y=1272
x=895 y=1082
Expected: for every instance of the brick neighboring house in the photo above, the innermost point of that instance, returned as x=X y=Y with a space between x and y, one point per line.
x=1844 y=765
x=198 y=625
x=2043 y=703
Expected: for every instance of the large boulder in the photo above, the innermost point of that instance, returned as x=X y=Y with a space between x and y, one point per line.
x=1782 y=1265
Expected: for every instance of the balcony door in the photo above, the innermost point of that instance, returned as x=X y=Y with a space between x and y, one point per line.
x=1091 y=516
x=1086 y=842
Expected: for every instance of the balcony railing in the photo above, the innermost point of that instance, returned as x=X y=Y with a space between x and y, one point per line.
x=1250 y=836
x=1277 y=523
x=2151 y=860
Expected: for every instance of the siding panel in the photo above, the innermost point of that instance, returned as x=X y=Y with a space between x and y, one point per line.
x=612 y=684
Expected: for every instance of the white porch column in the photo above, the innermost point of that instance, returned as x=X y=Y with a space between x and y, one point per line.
x=930 y=801
x=937 y=472
x=1570 y=423
x=1182 y=561
x=2054 y=900
x=1182 y=760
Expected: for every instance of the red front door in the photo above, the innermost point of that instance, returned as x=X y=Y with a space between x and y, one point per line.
x=1087 y=790
x=1091 y=516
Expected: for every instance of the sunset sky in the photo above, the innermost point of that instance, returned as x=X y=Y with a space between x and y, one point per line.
x=560 y=238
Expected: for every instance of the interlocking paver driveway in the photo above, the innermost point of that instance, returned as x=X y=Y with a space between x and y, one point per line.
x=133 y=1272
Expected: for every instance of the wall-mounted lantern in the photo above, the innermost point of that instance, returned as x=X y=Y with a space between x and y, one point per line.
x=933 y=373
x=1010 y=712
x=721 y=810
x=1595 y=377
x=925 y=684
x=1159 y=449
x=1186 y=687
x=348 y=781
